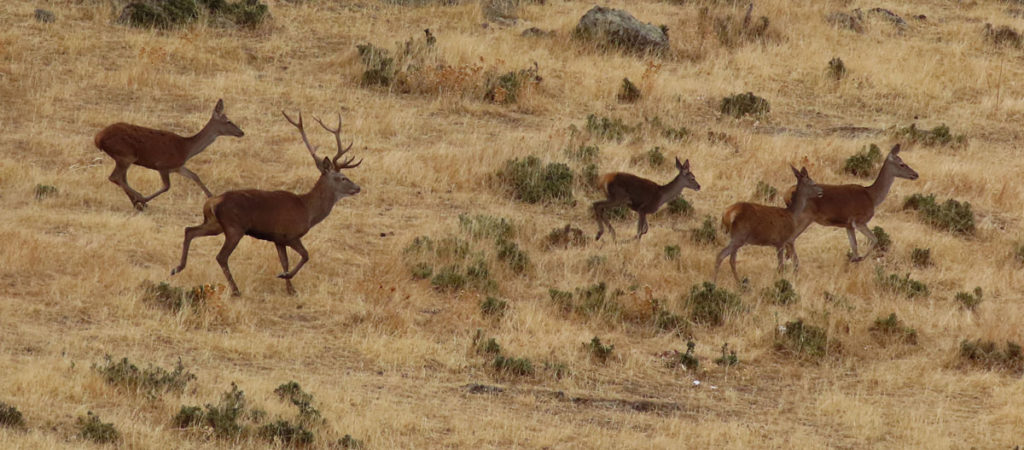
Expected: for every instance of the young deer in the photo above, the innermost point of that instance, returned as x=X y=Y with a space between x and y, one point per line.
x=852 y=205
x=640 y=194
x=751 y=223
x=162 y=151
x=277 y=216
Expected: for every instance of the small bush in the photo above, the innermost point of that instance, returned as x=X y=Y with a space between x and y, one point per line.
x=739 y=105
x=302 y=400
x=901 y=285
x=863 y=163
x=532 y=182
x=223 y=418
x=781 y=293
x=168 y=14
x=837 y=69
x=561 y=299
x=733 y=31
x=511 y=254
x=10 y=416
x=484 y=226
x=422 y=271
x=566 y=237
x=936 y=137
x=350 y=442
x=152 y=380
x=448 y=279
x=628 y=93
x=513 y=366
x=672 y=252
x=596 y=301
x=801 y=339
x=688 y=359
x=488 y=346
x=608 y=129
x=598 y=350
x=727 y=359
x=92 y=428
x=952 y=216
x=654 y=157
x=765 y=192
x=583 y=153
x=968 y=300
x=921 y=257
x=680 y=207
x=558 y=369
x=1003 y=35
x=893 y=329
x=668 y=321
x=285 y=432
x=493 y=307
x=709 y=304
x=986 y=354
x=44 y=190
x=882 y=239
x=706 y=234
x=176 y=299
x=510 y=86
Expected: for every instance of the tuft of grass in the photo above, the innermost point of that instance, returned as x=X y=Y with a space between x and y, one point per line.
x=152 y=381
x=709 y=304
x=893 y=329
x=222 y=418
x=939 y=136
x=176 y=299
x=561 y=299
x=1018 y=253
x=901 y=285
x=608 y=129
x=92 y=428
x=969 y=300
x=781 y=293
x=765 y=192
x=654 y=157
x=448 y=279
x=672 y=252
x=921 y=257
x=167 y=14
x=803 y=340
x=509 y=87
x=734 y=31
x=727 y=359
x=284 y=432
x=862 y=164
x=530 y=181
x=628 y=92
x=493 y=307
x=687 y=360
x=707 y=234
x=883 y=242
x=350 y=442
x=483 y=226
x=565 y=237
x=953 y=216
x=511 y=254
x=422 y=271
x=836 y=68
x=739 y=105
x=987 y=355
x=302 y=400
x=44 y=190
x=1003 y=35
x=10 y=416
x=513 y=366
x=598 y=350
x=680 y=207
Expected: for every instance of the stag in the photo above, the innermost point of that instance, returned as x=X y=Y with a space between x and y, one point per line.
x=640 y=194
x=277 y=216
x=162 y=151
x=852 y=206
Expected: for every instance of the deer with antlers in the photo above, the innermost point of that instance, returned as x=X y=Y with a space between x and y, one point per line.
x=162 y=151
x=277 y=216
x=751 y=223
x=851 y=206
x=639 y=194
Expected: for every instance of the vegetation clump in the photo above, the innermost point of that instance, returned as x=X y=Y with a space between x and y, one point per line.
x=1003 y=35
x=530 y=181
x=733 y=31
x=513 y=256
x=901 y=285
x=709 y=304
x=10 y=416
x=481 y=226
x=151 y=381
x=883 y=242
x=302 y=400
x=672 y=252
x=988 y=355
x=921 y=257
x=739 y=105
x=508 y=87
x=166 y=14
x=608 y=129
x=803 y=340
x=44 y=190
x=706 y=234
x=863 y=163
x=836 y=68
x=598 y=350
x=969 y=300
x=176 y=299
x=654 y=157
x=628 y=93
x=92 y=428
x=765 y=192
x=781 y=293
x=687 y=360
x=679 y=207
x=952 y=216
x=222 y=418
x=493 y=307
x=565 y=237
x=513 y=366
x=939 y=136
x=727 y=359
x=892 y=329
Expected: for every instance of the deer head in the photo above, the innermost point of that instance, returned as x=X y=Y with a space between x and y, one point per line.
x=330 y=170
x=805 y=186
x=689 y=180
x=220 y=123
x=900 y=168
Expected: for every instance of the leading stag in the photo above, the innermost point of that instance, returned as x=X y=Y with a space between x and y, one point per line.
x=852 y=205
x=639 y=194
x=162 y=151
x=277 y=216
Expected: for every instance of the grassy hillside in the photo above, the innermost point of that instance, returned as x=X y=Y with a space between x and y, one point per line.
x=396 y=356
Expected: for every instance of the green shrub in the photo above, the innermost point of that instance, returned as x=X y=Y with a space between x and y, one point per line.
x=381 y=69
x=707 y=234
x=863 y=163
x=667 y=321
x=176 y=299
x=952 y=216
x=672 y=252
x=938 y=136
x=882 y=240
x=44 y=190
x=687 y=360
x=802 y=339
x=286 y=433
x=167 y=14
x=508 y=87
x=598 y=350
x=892 y=328
x=739 y=105
x=152 y=380
x=583 y=153
x=222 y=418
x=1018 y=253
x=608 y=129
x=493 y=307
x=511 y=254
x=532 y=182
x=422 y=271
x=709 y=304
x=654 y=157
x=901 y=285
x=968 y=300
x=448 y=279
x=566 y=237
x=92 y=428
x=10 y=416
x=765 y=192
x=921 y=257
x=781 y=293
x=483 y=226
x=986 y=354
x=727 y=359
x=628 y=92
x=836 y=68
x=513 y=366
x=680 y=207
x=302 y=400
x=561 y=299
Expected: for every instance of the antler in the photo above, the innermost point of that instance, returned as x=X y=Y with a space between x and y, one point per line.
x=337 y=138
x=302 y=130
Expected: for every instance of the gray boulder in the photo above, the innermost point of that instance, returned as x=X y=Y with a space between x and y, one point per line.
x=618 y=28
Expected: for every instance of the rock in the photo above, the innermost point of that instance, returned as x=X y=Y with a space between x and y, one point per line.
x=850 y=21
x=1003 y=35
x=619 y=28
x=889 y=16
x=45 y=16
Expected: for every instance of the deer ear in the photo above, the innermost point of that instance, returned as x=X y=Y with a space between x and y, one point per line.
x=326 y=165
x=803 y=172
x=895 y=149
x=796 y=173
x=220 y=106
x=686 y=164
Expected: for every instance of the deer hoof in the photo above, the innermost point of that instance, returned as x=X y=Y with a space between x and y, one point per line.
x=236 y=293
x=856 y=259
x=139 y=205
x=175 y=270
x=284 y=276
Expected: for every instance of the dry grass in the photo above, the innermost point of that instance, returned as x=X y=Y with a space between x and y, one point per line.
x=386 y=356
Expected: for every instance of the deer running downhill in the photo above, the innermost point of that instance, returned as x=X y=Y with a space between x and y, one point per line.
x=277 y=216
x=639 y=194
x=852 y=205
x=162 y=151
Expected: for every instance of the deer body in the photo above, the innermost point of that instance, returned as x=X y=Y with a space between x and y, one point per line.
x=280 y=217
x=639 y=194
x=754 y=224
x=852 y=206
x=159 y=150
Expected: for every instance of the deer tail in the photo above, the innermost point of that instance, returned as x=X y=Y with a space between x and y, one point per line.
x=729 y=217
x=605 y=180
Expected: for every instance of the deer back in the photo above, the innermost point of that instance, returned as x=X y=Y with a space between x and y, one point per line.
x=638 y=190
x=278 y=216
x=759 y=224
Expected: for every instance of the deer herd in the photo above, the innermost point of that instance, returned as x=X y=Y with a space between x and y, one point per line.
x=283 y=217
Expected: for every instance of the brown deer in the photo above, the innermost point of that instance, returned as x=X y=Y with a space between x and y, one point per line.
x=162 y=151
x=751 y=223
x=277 y=216
x=639 y=194
x=852 y=205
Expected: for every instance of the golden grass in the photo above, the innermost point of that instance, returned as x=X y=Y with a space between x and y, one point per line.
x=386 y=356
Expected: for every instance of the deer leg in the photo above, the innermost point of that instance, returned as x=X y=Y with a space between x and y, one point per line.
x=732 y=264
x=231 y=238
x=120 y=177
x=792 y=253
x=599 y=209
x=728 y=250
x=206 y=229
x=641 y=226
x=192 y=176
x=165 y=176
x=872 y=240
x=303 y=254
x=853 y=244
x=282 y=254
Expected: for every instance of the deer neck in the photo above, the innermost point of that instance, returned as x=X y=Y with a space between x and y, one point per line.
x=671 y=190
x=319 y=201
x=796 y=208
x=200 y=140
x=880 y=188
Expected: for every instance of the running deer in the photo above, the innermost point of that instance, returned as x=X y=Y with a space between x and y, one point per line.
x=640 y=194
x=162 y=151
x=852 y=205
x=751 y=223
x=277 y=216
